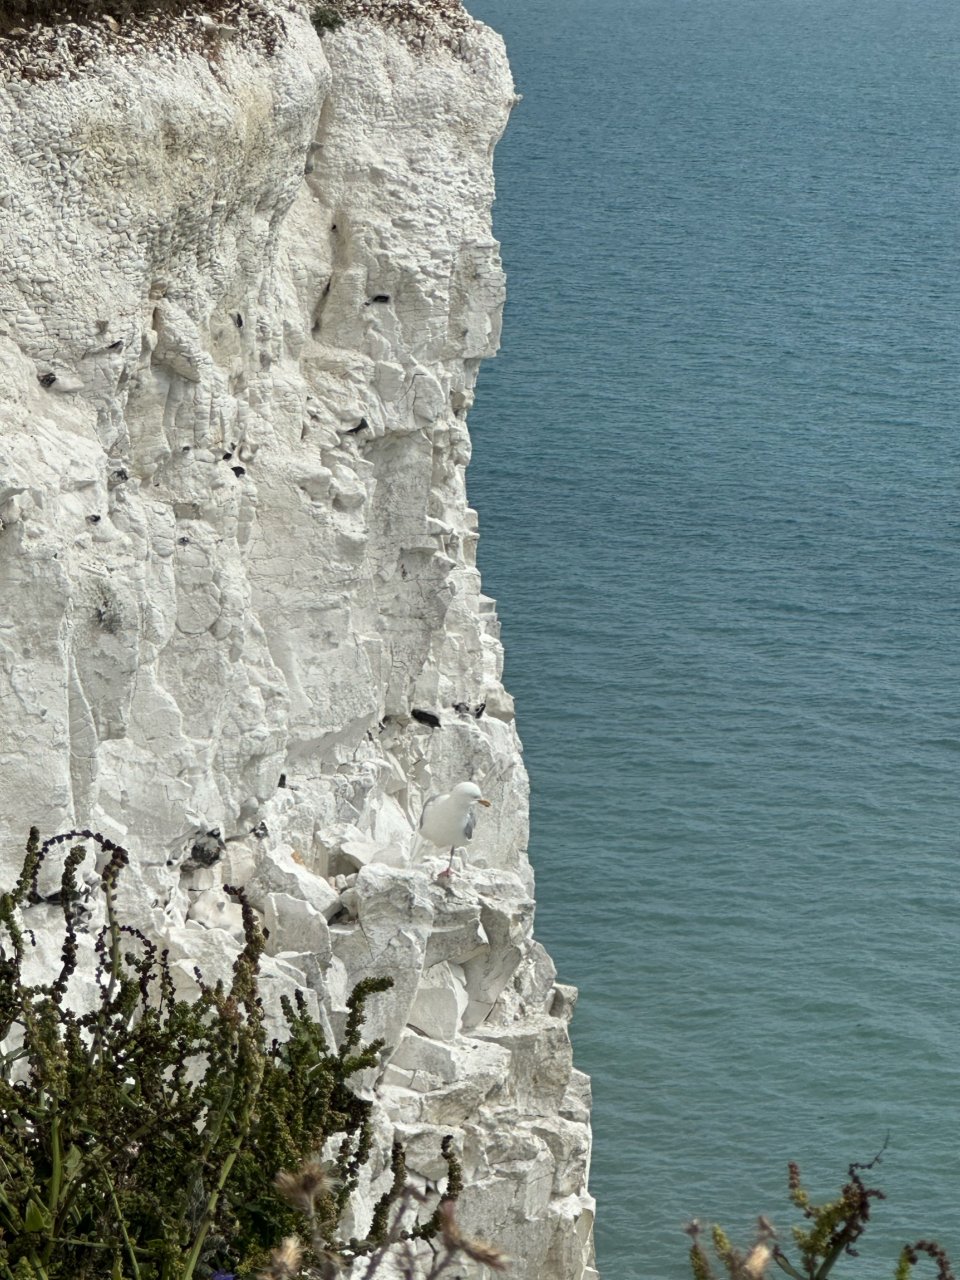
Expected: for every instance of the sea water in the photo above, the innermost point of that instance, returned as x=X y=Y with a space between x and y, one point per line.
x=717 y=465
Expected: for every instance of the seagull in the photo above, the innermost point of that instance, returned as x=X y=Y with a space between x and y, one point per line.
x=449 y=819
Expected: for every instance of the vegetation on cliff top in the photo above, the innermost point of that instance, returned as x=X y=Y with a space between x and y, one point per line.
x=41 y=39
x=48 y=39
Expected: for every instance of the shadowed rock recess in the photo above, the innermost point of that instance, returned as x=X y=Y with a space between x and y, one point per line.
x=247 y=281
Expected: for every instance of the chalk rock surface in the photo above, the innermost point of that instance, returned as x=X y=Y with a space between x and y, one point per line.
x=243 y=299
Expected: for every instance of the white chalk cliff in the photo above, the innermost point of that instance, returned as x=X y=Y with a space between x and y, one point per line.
x=243 y=300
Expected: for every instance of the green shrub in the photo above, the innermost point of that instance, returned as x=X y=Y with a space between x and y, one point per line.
x=325 y=18
x=23 y=13
x=141 y=1140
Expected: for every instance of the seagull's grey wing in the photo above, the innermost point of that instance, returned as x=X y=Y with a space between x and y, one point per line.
x=430 y=800
x=469 y=822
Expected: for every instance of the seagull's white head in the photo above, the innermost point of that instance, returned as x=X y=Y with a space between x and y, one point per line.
x=469 y=793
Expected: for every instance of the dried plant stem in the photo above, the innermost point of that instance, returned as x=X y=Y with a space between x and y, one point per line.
x=395 y=1234
x=441 y=1263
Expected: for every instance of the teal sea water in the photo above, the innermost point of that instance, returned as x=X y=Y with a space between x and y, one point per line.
x=717 y=466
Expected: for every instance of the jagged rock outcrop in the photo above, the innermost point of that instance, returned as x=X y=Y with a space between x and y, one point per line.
x=243 y=301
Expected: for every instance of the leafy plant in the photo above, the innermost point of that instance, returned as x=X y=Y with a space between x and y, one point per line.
x=139 y=1140
x=830 y=1230
x=325 y=18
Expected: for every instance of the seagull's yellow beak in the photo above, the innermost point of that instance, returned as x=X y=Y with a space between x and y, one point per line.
x=485 y=803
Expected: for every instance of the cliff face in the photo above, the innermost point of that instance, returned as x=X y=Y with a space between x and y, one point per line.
x=243 y=300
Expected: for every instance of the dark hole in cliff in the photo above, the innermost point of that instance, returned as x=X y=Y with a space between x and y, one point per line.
x=46 y=379
x=318 y=310
x=207 y=848
x=108 y=617
x=380 y=297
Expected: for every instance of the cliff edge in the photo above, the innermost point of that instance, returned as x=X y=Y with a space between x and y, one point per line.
x=245 y=289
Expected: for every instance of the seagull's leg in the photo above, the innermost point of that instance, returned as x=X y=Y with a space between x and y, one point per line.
x=448 y=869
